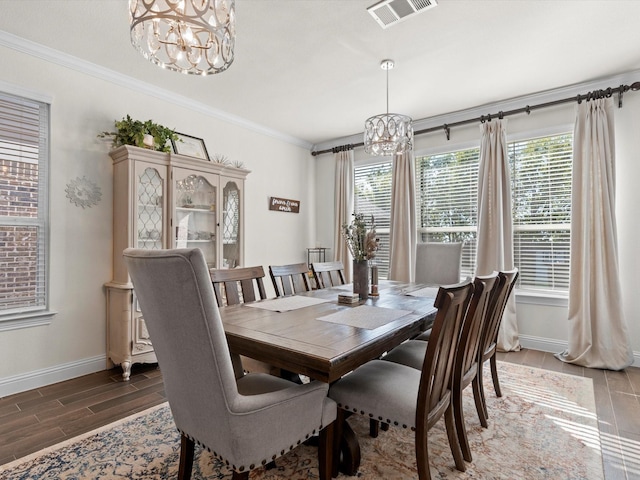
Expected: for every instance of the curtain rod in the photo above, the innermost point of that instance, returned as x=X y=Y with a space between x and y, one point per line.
x=487 y=118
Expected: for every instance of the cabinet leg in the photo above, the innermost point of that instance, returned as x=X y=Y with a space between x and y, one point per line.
x=126 y=370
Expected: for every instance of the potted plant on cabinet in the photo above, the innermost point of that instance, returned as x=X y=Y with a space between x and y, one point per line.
x=141 y=134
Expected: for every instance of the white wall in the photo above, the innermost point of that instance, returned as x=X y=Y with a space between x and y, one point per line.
x=83 y=105
x=541 y=326
x=80 y=243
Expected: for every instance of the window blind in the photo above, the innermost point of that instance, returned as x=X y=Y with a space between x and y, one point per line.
x=541 y=195
x=447 y=189
x=23 y=204
x=541 y=200
x=372 y=196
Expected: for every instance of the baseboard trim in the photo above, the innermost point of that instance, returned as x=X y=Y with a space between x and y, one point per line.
x=556 y=346
x=48 y=376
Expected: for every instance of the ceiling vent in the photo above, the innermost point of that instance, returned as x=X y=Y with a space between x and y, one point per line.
x=390 y=12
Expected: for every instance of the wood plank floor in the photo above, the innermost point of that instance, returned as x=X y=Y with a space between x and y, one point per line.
x=39 y=418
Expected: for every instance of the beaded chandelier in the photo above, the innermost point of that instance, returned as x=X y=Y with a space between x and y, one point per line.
x=388 y=133
x=195 y=37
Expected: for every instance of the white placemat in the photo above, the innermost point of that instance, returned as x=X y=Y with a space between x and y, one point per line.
x=285 y=304
x=425 y=292
x=365 y=316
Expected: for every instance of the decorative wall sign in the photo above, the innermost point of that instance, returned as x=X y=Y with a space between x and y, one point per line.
x=83 y=193
x=284 y=205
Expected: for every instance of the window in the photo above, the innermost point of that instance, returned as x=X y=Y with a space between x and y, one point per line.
x=372 y=196
x=24 y=156
x=541 y=193
x=447 y=190
x=541 y=198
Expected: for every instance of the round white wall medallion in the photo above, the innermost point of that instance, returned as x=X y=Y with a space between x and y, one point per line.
x=83 y=193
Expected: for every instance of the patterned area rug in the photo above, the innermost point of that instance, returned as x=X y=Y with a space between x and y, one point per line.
x=544 y=427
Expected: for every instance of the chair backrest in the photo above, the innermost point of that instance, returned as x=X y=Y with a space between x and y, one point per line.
x=452 y=302
x=498 y=302
x=290 y=279
x=238 y=285
x=177 y=300
x=328 y=274
x=474 y=321
x=438 y=263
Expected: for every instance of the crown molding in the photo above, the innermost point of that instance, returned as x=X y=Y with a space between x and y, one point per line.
x=65 y=60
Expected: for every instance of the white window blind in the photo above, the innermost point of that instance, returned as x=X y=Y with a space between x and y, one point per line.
x=541 y=197
x=447 y=189
x=24 y=155
x=541 y=193
x=372 y=194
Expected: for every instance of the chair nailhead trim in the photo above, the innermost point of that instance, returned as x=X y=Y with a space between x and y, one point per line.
x=242 y=468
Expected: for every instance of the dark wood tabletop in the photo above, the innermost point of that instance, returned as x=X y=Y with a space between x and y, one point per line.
x=296 y=341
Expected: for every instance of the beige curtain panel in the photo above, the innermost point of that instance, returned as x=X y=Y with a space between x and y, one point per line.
x=495 y=224
x=343 y=207
x=598 y=335
x=402 y=238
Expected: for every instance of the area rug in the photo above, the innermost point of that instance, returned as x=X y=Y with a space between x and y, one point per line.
x=543 y=427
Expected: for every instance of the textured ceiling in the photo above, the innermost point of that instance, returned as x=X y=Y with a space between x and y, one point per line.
x=310 y=69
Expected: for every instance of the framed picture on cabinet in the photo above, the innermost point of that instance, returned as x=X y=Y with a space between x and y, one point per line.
x=190 y=146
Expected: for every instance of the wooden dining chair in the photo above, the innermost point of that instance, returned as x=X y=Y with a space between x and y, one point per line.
x=438 y=263
x=489 y=337
x=412 y=354
x=290 y=279
x=406 y=397
x=238 y=285
x=245 y=422
x=233 y=287
x=328 y=274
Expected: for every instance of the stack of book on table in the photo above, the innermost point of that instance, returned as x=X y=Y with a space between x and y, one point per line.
x=348 y=298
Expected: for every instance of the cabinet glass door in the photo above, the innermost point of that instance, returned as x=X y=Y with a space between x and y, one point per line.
x=195 y=219
x=150 y=219
x=231 y=223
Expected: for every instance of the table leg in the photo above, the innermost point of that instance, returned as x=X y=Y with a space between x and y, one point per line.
x=347 y=454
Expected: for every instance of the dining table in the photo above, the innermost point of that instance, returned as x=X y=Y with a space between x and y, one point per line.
x=315 y=335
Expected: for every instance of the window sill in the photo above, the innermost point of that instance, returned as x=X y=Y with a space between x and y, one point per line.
x=535 y=297
x=20 y=320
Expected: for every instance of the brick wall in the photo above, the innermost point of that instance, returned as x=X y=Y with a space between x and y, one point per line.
x=18 y=243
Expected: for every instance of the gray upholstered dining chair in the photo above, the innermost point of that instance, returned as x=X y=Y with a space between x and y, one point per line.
x=465 y=370
x=328 y=274
x=438 y=263
x=290 y=279
x=246 y=422
x=489 y=336
x=404 y=396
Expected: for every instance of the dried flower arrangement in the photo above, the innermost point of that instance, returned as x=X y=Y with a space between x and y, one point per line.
x=221 y=159
x=361 y=238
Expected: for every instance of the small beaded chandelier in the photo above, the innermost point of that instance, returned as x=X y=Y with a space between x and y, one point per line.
x=388 y=133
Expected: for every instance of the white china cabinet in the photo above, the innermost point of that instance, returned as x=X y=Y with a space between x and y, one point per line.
x=164 y=200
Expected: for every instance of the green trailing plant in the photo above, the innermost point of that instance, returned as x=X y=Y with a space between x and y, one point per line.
x=132 y=132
